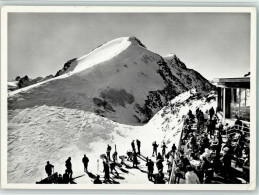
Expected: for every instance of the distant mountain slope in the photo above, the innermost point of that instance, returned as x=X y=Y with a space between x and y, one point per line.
x=121 y=80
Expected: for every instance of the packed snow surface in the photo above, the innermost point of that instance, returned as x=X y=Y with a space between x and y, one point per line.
x=50 y=133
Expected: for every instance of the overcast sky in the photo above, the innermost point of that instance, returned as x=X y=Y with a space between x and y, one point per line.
x=216 y=45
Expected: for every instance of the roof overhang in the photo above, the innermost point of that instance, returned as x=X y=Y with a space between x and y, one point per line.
x=242 y=82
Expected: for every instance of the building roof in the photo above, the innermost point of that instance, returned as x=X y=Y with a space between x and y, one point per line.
x=241 y=82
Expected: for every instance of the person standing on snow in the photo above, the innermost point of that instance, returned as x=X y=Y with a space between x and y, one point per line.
x=150 y=168
x=48 y=168
x=163 y=149
x=155 y=145
x=108 y=152
x=69 y=167
x=138 y=144
x=133 y=146
x=174 y=149
x=85 y=161
x=106 y=171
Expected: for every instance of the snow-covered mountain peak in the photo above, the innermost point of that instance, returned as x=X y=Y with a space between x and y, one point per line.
x=121 y=80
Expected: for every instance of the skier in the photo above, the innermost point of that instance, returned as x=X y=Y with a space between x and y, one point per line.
x=138 y=144
x=133 y=146
x=155 y=148
x=85 y=161
x=48 y=168
x=69 y=167
x=108 y=152
x=163 y=149
x=150 y=168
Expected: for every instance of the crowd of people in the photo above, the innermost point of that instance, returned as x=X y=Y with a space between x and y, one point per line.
x=201 y=154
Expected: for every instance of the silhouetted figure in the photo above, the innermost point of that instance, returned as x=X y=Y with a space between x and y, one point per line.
x=133 y=146
x=155 y=145
x=135 y=160
x=159 y=162
x=85 y=161
x=138 y=144
x=48 y=168
x=59 y=179
x=160 y=177
x=97 y=180
x=226 y=164
x=108 y=152
x=106 y=171
x=150 y=168
x=66 y=177
x=174 y=149
x=69 y=167
x=163 y=149
x=211 y=112
x=115 y=156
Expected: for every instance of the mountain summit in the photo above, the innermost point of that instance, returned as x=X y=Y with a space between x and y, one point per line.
x=121 y=80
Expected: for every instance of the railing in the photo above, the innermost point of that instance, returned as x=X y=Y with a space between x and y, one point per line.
x=170 y=181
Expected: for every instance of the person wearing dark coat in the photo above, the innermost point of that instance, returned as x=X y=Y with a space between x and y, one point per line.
x=97 y=180
x=160 y=177
x=85 y=161
x=226 y=164
x=155 y=145
x=114 y=156
x=69 y=167
x=174 y=149
x=106 y=171
x=66 y=177
x=133 y=146
x=211 y=112
x=138 y=144
x=48 y=168
x=108 y=152
x=163 y=149
x=159 y=162
x=150 y=168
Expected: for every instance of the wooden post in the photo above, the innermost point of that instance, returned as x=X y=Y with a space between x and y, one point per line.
x=224 y=104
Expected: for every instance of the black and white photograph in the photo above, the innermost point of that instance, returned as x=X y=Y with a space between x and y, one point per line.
x=142 y=97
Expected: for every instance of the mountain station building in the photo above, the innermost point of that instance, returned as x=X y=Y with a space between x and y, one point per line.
x=234 y=97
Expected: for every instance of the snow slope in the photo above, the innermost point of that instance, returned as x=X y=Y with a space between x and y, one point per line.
x=121 y=80
x=42 y=133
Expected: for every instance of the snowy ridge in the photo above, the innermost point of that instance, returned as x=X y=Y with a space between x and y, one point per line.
x=101 y=54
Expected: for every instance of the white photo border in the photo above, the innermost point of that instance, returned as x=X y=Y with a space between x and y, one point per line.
x=122 y=9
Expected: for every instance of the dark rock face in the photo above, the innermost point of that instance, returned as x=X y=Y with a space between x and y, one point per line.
x=102 y=104
x=117 y=97
x=66 y=66
x=177 y=78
